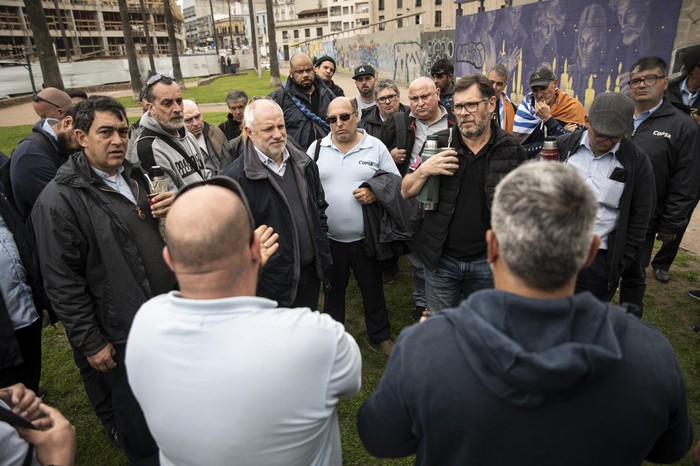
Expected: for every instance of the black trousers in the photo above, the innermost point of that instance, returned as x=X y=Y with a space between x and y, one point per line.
x=308 y=288
x=29 y=371
x=633 y=283
x=596 y=278
x=140 y=447
x=667 y=253
x=97 y=389
x=368 y=273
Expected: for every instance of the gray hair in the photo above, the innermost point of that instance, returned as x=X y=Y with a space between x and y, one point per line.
x=235 y=96
x=500 y=70
x=385 y=84
x=543 y=217
x=249 y=112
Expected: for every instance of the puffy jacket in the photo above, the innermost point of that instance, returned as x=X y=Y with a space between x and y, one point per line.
x=636 y=204
x=280 y=276
x=372 y=122
x=504 y=156
x=672 y=140
x=299 y=126
x=93 y=272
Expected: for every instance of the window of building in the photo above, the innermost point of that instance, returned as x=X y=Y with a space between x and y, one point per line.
x=419 y=3
x=399 y=4
x=417 y=19
x=382 y=26
x=346 y=10
x=285 y=35
x=381 y=5
x=399 y=23
x=362 y=8
x=296 y=33
x=438 y=19
x=307 y=33
x=438 y=2
x=319 y=32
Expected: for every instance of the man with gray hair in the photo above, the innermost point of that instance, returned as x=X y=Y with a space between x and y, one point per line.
x=505 y=109
x=235 y=101
x=620 y=175
x=285 y=193
x=209 y=138
x=549 y=362
x=388 y=99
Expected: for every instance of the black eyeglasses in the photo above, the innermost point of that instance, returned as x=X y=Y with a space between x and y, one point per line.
x=343 y=116
x=386 y=99
x=470 y=107
x=647 y=80
x=37 y=98
x=224 y=182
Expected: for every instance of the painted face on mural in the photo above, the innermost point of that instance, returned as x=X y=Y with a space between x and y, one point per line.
x=588 y=43
x=632 y=19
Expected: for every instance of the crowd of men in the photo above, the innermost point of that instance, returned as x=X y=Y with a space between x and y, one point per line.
x=203 y=297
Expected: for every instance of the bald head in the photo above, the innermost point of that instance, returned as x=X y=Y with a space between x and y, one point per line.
x=424 y=99
x=208 y=231
x=51 y=103
x=194 y=121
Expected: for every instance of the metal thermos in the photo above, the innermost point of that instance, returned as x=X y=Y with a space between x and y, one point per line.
x=159 y=184
x=549 y=149
x=430 y=194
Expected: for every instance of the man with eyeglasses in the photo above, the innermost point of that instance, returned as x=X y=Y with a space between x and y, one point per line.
x=285 y=193
x=235 y=101
x=100 y=252
x=388 y=99
x=263 y=380
x=163 y=139
x=671 y=140
x=347 y=159
x=365 y=79
x=620 y=175
x=304 y=99
x=452 y=240
x=209 y=138
x=325 y=68
x=51 y=103
x=545 y=111
x=505 y=109
x=443 y=72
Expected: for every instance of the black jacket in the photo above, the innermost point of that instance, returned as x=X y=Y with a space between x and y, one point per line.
x=388 y=136
x=389 y=221
x=230 y=127
x=93 y=271
x=280 y=276
x=337 y=90
x=372 y=122
x=504 y=156
x=672 y=141
x=636 y=204
x=299 y=126
x=673 y=93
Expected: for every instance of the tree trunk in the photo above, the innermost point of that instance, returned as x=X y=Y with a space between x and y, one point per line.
x=174 y=54
x=43 y=44
x=149 y=43
x=134 y=72
x=253 y=34
x=272 y=46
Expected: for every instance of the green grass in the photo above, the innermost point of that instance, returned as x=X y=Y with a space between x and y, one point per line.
x=216 y=91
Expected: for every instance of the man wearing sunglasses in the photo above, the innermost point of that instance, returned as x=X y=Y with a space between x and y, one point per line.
x=443 y=73
x=671 y=139
x=100 y=252
x=285 y=193
x=620 y=175
x=51 y=103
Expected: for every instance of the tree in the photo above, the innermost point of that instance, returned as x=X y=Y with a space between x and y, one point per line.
x=253 y=34
x=134 y=72
x=272 y=46
x=174 y=55
x=149 y=43
x=43 y=44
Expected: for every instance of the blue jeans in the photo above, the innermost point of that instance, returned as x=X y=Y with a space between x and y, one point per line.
x=455 y=280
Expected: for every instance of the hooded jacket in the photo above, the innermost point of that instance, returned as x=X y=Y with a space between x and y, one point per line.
x=515 y=380
x=230 y=127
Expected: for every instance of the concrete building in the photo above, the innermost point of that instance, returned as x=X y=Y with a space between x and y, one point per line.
x=309 y=25
x=93 y=28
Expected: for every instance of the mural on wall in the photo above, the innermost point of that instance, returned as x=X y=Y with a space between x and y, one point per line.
x=437 y=45
x=589 y=46
x=407 y=61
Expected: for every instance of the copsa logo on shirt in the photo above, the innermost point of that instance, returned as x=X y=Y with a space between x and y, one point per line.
x=367 y=162
x=662 y=133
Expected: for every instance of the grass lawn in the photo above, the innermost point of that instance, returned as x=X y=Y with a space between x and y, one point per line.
x=216 y=91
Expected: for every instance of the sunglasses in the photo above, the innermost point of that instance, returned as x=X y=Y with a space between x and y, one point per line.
x=158 y=77
x=37 y=98
x=224 y=182
x=343 y=117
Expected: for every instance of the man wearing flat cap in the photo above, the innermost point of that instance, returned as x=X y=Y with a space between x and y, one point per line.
x=365 y=78
x=620 y=175
x=325 y=68
x=545 y=111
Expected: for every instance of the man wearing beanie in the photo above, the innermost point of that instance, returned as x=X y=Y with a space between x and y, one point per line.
x=325 y=68
x=620 y=174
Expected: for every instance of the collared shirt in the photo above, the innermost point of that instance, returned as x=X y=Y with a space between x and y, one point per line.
x=116 y=182
x=689 y=98
x=596 y=171
x=644 y=115
x=341 y=174
x=46 y=127
x=15 y=291
x=423 y=131
x=271 y=164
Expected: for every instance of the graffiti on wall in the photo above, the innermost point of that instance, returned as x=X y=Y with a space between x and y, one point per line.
x=436 y=45
x=407 y=61
x=589 y=46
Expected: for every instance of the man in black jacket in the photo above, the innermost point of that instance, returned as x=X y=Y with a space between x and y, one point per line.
x=620 y=175
x=100 y=252
x=236 y=102
x=285 y=193
x=451 y=242
x=671 y=139
x=325 y=69
x=388 y=99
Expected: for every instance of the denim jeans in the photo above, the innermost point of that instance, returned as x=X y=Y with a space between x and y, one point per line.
x=455 y=280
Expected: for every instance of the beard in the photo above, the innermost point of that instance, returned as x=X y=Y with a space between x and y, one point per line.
x=173 y=124
x=477 y=131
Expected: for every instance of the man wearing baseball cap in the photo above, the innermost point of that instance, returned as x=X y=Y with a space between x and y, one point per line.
x=545 y=111
x=620 y=174
x=325 y=68
x=365 y=78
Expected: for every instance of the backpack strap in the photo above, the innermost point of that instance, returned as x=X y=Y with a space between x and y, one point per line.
x=144 y=148
x=318 y=150
x=401 y=129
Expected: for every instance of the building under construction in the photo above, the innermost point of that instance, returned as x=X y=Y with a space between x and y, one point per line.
x=89 y=28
